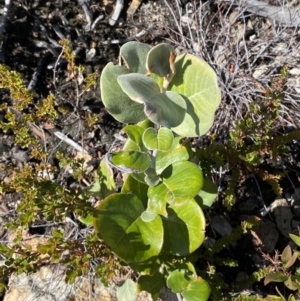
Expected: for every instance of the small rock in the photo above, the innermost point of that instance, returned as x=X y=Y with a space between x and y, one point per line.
x=19 y=155
x=294 y=71
x=221 y=225
x=49 y=284
x=259 y=71
x=283 y=216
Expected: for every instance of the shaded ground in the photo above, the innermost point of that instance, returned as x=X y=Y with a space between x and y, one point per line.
x=246 y=52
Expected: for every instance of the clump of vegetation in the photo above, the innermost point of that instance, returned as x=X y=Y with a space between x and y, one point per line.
x=166 y=100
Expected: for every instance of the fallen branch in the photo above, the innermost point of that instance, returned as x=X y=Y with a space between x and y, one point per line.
x=284 y=15
x=4 y=16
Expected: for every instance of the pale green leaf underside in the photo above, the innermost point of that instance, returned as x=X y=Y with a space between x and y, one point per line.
x=197 y=81
x=117 y=103
x=127 y=291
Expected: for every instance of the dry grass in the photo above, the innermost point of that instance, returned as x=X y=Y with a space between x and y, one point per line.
x=245 y=50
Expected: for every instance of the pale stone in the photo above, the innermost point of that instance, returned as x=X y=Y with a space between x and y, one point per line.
x=283 y=216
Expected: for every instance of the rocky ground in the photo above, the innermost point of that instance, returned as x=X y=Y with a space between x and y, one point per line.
x=245 y=48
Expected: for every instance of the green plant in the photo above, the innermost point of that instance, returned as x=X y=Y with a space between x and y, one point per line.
x=163 y=190
x=283 y=270
x=156 y=220
x=251 y=142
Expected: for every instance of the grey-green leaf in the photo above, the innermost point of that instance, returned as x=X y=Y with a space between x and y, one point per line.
x=134 y=55
x=130 y=161
x=117 y=103
x=158 y=59
x=165 y=109
x=198 y=82
x=127 y=291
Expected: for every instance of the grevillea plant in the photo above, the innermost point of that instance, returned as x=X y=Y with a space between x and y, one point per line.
x=156 y=219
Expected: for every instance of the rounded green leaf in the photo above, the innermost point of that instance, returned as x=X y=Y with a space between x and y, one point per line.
x=179 y=151
x=117 y=103
x=159 y=196
x=118 y=223
x=165 y=139
x=161 y=140
x=135 y=54
x=181 y=182
x=178 y=280
x=130 y=161
x=158 y=59
x=197 y=290
x=150 y=139
x=188 y=222
x=135 y=134
x=165 y=109
x=198 y=83
x=134 y=141
x=183 y=179
x=127 y=291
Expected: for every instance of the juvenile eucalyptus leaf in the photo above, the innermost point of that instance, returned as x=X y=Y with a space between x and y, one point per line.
x=136 y=142
x=87 y=220
x=117 y=103
x=198 y=83
x=130 y=161
x=181 y=182
x=118 y=223
x=188 y=222
x=197 y=290
x=147 y=267
x=165 y=139
x=150 y=139
x=165 y=109
x=127 y=291
x=178 y=280
x=161 y=140
x=158 y=59
x=135 y=54
x=275 y=277
x=179 y=151
x=104 y=184
x=183 y=179
x=159 y=196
